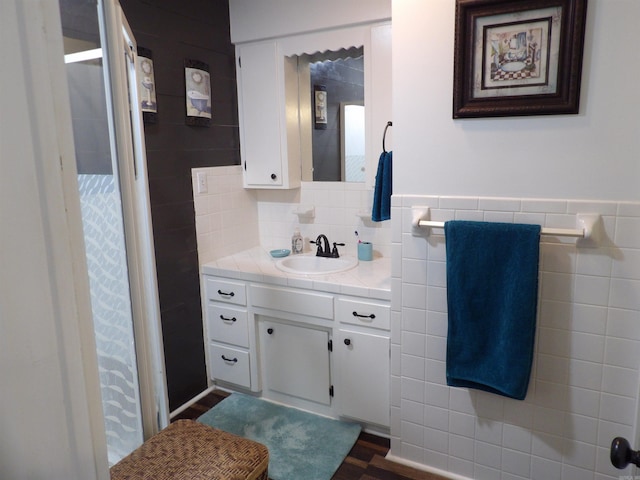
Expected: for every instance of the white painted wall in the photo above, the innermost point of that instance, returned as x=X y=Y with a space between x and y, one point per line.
x=51 y=419
x=256 y=20
x=590 y=155
x=464 y=169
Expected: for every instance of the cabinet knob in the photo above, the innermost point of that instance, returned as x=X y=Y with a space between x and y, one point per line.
x=269 y=331
x=273 y=176
x=347 y=341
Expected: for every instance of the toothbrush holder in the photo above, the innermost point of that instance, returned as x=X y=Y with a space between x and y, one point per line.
x=365 y=251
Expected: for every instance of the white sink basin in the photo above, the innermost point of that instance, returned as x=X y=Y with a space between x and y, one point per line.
x=312 y=265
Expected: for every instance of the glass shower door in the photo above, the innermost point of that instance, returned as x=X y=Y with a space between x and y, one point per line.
x=110 y=214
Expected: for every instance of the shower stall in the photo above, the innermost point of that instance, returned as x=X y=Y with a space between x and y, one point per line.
x=100 y=58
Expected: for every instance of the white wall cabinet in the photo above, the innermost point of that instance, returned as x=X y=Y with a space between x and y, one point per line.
x=267 y=110
x=274 y=109
x=323 y=352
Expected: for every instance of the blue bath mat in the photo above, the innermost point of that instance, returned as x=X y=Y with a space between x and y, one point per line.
x=301 y=445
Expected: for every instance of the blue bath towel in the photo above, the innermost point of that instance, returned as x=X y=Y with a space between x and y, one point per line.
x=492 y=292
x=382 y=189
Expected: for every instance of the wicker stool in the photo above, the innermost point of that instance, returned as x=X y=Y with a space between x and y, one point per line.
x=189 y=450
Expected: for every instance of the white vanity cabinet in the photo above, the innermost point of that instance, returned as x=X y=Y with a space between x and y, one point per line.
x=295 y=360
x=267 y=110
x=227 y=333
x=311 y=349
x=362 y=350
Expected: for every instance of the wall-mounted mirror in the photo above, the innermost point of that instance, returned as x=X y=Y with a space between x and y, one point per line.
x=332 y=120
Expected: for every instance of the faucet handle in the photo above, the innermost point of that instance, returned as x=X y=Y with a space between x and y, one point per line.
x=319 y=244
x=334 y=252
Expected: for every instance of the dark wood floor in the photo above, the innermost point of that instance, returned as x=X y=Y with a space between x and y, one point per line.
x=365 y=460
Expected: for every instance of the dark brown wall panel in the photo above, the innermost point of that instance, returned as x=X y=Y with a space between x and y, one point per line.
x=175 y=31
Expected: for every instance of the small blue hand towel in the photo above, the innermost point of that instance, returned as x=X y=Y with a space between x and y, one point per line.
x=492 y=293
x=382 y=190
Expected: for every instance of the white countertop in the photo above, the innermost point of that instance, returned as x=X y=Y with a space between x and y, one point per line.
x=368 y=279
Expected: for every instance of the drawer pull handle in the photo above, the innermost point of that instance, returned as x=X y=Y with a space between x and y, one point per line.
x=233 y=360
x=371 y=316
x=226 y=294
x=225 y=319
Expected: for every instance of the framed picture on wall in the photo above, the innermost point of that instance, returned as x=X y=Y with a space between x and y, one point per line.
x=320 y=107
x=146 y=85
x=197 y=93
x=518 y=58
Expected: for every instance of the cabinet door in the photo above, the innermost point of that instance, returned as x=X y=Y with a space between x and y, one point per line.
x=362 y=366
x=295 y=361
x=260 y=105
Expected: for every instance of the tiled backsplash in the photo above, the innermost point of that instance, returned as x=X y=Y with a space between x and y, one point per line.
x=340 y=209
x=226 y=215
x=584 y=384
x=230 y=219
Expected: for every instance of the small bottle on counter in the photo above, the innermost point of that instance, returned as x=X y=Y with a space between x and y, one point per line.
x=297 y=242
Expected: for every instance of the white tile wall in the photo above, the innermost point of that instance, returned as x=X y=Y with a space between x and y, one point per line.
x=230 y=219
x=226 y=215
x=585 y=380
x=341 y=209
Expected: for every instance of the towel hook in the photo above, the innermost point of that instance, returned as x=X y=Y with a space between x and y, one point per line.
x=384 y=135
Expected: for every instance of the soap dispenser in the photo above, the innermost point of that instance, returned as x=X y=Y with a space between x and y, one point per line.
x=297 y=242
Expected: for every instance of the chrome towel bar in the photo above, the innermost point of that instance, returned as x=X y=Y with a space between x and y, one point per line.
x=588 y=229
x=556 y=232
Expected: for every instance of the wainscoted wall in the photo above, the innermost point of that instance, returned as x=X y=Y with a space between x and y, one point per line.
x=584 y=384
x=230 y=219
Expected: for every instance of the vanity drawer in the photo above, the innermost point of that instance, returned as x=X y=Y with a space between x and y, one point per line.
x=230 y=365
x=225 y=291
x=363 y=313
x=228 y=324
x=293 y=301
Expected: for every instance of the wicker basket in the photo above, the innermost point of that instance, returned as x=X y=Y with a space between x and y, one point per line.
x=189 y=450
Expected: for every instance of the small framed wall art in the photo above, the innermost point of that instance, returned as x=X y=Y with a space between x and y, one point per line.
x=146 y=85
x=198 y=93
x=518 y=58
x=320 y=107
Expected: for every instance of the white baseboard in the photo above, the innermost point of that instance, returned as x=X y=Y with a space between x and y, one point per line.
x=186 y=405
x=424 y=468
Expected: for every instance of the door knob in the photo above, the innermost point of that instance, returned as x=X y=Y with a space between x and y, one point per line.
x=621 y=454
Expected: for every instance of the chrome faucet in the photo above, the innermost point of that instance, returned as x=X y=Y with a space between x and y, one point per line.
x=324 y=248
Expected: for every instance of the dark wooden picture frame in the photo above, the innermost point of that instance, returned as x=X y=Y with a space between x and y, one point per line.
x=518 y=57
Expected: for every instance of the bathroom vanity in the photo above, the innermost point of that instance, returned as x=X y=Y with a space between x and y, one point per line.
x=317 y=342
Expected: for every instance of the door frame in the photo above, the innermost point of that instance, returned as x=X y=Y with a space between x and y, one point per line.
x=132 y=175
